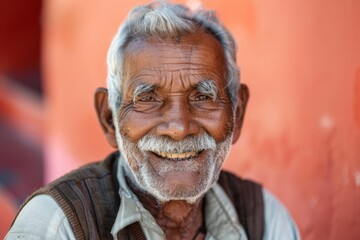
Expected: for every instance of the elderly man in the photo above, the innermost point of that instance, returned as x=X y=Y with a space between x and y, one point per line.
x=173 y=107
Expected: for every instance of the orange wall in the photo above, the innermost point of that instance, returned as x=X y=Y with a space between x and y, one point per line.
x=301 y=60
x=8 y=211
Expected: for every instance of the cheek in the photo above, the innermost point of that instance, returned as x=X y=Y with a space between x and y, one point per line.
x=219 y=124
x=134 y=125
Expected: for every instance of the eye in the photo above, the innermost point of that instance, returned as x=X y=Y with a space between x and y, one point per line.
x=147 y=98
x=202 y=98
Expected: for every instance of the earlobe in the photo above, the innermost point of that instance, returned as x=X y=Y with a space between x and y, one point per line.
x=105 y=115
x=243 y=97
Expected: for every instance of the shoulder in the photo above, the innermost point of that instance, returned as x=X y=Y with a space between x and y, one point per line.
x=41 y=218
x=77 y=185
x=251 y=199
x=94 y=170
x=278 y=222
x=47 y=212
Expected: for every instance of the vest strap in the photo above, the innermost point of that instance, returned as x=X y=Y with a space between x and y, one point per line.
x=90 y=200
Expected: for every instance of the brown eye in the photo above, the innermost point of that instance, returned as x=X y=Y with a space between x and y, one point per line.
x=147 y=99
x=202 y=98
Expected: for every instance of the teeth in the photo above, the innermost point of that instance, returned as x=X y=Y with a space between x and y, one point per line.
x=177 y=155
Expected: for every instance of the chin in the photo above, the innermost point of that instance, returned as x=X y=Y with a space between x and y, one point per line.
x=169 y=180
x=184 y=186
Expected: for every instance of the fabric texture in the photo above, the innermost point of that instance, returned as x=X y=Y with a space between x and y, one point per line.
x=42 y=218
x=247 y=198
x=89 y=198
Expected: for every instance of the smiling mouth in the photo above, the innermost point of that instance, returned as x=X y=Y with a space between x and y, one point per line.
x=178 y=156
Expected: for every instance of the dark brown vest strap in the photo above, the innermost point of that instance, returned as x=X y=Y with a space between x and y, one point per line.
x=247 y=198
x=90 y=200
x=132 y=232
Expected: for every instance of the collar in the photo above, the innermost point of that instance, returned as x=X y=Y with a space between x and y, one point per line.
x=220 y=215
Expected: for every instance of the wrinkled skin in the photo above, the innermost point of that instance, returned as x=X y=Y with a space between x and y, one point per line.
x=174 y=109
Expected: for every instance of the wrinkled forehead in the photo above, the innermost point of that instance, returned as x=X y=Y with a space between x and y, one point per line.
x=199 y=49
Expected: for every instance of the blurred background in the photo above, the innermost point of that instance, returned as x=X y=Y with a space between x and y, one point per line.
x=301 y=137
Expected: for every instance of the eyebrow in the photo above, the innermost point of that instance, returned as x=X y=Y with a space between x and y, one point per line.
x=209 y=88
x=206 y=87
x=142 y=88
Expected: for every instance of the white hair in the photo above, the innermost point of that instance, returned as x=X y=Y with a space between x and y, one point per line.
x=165 y=19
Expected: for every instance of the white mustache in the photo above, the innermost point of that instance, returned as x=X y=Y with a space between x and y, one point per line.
x=166 y=144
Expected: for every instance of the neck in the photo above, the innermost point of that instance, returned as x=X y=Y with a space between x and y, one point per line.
x=177 y=218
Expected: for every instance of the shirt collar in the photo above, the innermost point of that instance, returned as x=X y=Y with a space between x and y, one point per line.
x=131 y=210
x=220 y=215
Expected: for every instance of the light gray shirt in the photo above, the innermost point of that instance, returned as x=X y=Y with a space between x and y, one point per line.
x=42 y=218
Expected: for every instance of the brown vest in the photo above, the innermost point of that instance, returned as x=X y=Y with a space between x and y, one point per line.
x=90 y=200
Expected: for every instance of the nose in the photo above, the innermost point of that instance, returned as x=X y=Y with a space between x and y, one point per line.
x=177 y=121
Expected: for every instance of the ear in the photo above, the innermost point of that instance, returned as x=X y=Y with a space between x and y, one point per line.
x=105 y=115
x=243 y=97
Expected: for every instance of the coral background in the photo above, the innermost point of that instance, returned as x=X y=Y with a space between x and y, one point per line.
x=301 y=136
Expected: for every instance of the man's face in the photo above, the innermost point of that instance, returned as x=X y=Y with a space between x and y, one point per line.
x=175 y=120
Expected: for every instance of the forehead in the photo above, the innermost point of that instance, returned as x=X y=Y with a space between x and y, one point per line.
x=191 y=55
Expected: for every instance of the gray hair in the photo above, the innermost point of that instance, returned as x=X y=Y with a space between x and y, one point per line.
x=165 y=19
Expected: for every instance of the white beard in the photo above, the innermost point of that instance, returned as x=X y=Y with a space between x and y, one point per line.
x=150 y=181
